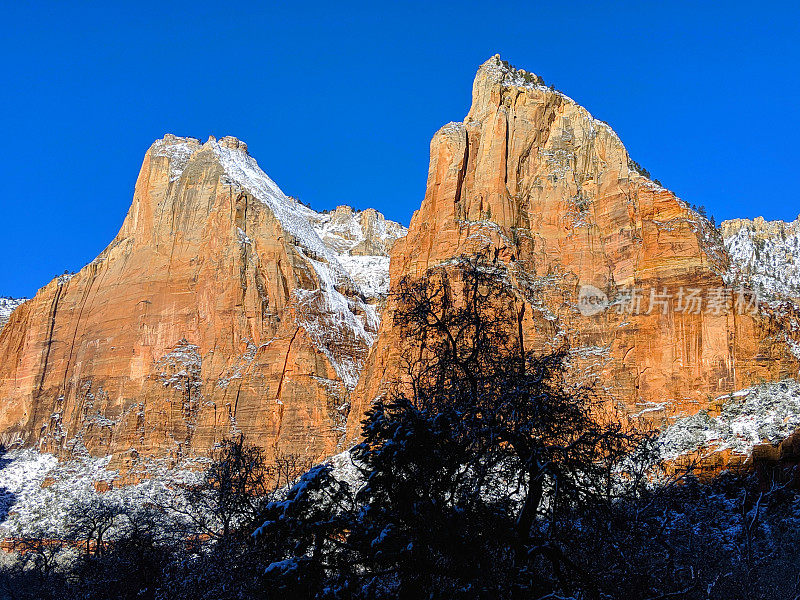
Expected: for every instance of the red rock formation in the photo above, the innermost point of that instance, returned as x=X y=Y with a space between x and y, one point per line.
x=223 y=306
x=532 y=179
x=217 y=308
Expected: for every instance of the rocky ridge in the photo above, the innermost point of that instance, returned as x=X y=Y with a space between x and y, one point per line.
x=763 y=255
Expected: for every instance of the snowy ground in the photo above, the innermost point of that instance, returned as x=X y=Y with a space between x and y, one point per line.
x=37 y=492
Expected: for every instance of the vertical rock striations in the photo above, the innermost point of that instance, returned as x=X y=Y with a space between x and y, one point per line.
x=537 y=183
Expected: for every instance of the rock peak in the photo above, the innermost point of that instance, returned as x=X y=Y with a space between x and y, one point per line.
x=170 y=139
x=179 y=150
x=496 y=70
x=228 y=141
x=233 y=143
x=493 y=77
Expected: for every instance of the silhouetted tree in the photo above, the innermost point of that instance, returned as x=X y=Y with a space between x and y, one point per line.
x=471 y=459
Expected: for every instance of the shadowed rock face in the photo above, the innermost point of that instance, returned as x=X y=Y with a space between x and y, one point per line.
x=533 y=180
x=217 y=308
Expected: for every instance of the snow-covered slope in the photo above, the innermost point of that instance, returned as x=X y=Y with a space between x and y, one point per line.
x=362 y=241
x=7 y=306
x=764 y=255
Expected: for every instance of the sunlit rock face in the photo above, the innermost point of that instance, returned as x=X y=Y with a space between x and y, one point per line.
x=534 y=181
x=221 y=306
x=224 y=306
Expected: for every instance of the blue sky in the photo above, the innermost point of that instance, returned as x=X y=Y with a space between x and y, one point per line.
x=338 y=101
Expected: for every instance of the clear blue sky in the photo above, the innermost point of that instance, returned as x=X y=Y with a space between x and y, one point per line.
x=338 y=101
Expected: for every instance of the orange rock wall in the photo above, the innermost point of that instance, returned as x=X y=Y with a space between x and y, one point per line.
x=532 y=179
x=181 y=332
x=207 y=315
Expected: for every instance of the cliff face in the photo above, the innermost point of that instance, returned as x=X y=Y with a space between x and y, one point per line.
x=534 y=181
x=221 y=306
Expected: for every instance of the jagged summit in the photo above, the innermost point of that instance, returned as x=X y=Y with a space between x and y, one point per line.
x=171 y=139
x=761 y=225
x=178 y=150
x=497 y=82
x=582 y=141
x=503 y=72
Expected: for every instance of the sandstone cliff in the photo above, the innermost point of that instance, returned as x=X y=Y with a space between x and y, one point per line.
x=534 y=181
x=221 y=306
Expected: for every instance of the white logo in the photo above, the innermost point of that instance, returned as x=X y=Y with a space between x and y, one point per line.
x=591 y=300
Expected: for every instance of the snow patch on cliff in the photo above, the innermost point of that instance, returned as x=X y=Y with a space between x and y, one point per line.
x=337 y=324
x=370 y=273
x=764 y=256
x=768 y=412
x=177 y=150
x=361 y=241
x=181 y=367
x=7 y=306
